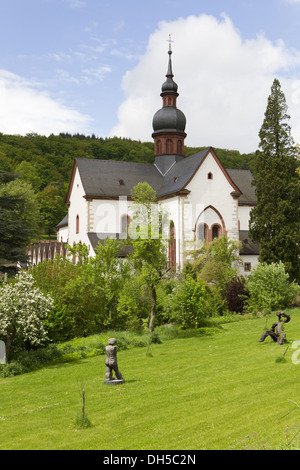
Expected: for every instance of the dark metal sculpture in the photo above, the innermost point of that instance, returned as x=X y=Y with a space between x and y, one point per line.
x=277 y=331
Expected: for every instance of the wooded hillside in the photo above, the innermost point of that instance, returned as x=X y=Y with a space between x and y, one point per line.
x=46 y=163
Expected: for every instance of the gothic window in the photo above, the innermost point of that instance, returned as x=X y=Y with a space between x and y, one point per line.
x=77 y=223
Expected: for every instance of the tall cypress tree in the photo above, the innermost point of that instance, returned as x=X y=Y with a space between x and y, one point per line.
x=275 y=221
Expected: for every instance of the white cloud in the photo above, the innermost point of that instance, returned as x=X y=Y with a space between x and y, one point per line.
x=23 y=109
x=75 y=4
x=95 y=74
x=223 y=83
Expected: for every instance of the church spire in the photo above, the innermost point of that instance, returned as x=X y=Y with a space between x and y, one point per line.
x=170 y=72
x=169 y=122
x=170 y=85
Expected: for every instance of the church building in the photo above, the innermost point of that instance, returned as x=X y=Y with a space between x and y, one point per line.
x=202 y=198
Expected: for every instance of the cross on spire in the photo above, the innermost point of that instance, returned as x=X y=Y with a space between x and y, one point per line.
x=170 y=41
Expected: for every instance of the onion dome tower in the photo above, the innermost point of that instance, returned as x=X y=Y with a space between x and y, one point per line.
x=168 y=124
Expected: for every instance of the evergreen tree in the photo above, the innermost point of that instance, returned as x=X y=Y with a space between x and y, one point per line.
x=275 y=221
x=15 y=233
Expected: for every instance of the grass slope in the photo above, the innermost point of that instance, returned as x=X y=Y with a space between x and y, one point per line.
x=193 y=393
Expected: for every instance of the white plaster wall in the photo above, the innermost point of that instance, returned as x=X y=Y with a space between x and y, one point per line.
x=62 y=234
x=78 y=205
x=244 y=216
x=253 y=259
x=214 y=192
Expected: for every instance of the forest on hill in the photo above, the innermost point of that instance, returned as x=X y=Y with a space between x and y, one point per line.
x=42 y=165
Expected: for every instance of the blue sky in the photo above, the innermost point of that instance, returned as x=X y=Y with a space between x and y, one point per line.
x=96 y=66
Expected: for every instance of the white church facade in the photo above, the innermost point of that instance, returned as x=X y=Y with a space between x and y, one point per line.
x=203 y=199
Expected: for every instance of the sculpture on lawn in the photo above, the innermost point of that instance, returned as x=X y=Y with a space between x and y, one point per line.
x=112 y=364
x=277 y=329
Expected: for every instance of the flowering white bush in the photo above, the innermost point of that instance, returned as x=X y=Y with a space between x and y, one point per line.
x=23 y=307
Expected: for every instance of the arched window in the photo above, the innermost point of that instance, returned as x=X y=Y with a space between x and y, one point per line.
x=77 y=223
x=169 y=144
x=125 y=220
x=158 y=147
x=216 y=231
x=179 y=147
x=202 y=232
x=172 y=247
x=210 y=176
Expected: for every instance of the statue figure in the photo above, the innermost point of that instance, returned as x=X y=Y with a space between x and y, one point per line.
x=276 y=332
x=111 y=364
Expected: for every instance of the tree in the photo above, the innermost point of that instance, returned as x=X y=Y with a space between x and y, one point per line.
x=85 y=293
x=190 y=302
x=23 y=307
x=29 y=214
x=298 y=158
x=275 y=221
x=28 y=172
x=18 y=219
x=52 y=207
x=216 y=262
x=149 y=250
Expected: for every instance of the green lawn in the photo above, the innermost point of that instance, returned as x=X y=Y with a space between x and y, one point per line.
x=194 y=393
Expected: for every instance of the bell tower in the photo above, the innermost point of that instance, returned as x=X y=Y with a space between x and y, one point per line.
x=168 y=124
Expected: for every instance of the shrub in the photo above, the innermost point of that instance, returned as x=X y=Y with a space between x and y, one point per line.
x=28 y=361
x=236 y=295
x=190 y=302
x=134 y=303
x=269 y=288
x=23 y=309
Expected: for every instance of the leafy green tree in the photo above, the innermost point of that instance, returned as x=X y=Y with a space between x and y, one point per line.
x=52 y=208
x=18 y=219
x=30 y=213
x=149 y=249
x=86 y=293
x=28 y=172
x=275 y=221
x=190 y=302
x=134 y=302
x=216 y=262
